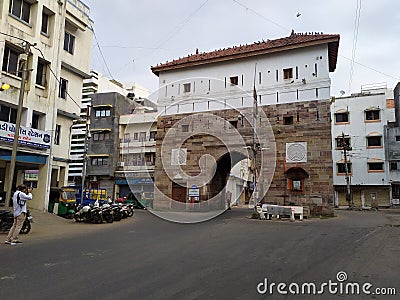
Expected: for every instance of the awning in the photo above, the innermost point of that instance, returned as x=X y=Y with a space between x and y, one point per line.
x=98 y=155
x=101 y=105
x=372 y=108
x=100 y=129
x=377 y=160
x=342 y=161
x=23 y=157
x=374 y=133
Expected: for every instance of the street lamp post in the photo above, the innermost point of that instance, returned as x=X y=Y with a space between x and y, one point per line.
x=84 y=162
x=17 y=125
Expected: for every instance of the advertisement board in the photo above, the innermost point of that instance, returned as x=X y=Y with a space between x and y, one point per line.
x=27 y=136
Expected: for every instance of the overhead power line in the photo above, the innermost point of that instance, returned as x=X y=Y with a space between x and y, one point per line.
x=41 y=53
x=370 y=68
x=179 y=27
x=355 y=38
x=261 y=16
x=55 y=76
x=101 y=53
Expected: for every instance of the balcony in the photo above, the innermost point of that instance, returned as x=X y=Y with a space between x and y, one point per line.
x=135 y=166
x=131 y=146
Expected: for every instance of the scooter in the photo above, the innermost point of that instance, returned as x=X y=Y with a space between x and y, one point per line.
x=88 y=214
x=7 y=220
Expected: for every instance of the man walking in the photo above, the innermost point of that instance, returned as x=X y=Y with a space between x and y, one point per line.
x=19 y=202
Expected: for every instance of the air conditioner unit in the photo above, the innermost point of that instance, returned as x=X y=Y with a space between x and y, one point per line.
x=120 y=163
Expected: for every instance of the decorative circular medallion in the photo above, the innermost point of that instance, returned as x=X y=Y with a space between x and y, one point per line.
x=296 y=152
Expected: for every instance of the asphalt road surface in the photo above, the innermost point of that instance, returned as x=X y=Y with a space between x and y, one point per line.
x=145 y=257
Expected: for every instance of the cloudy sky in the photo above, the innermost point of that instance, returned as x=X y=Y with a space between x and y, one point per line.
x=134 y=35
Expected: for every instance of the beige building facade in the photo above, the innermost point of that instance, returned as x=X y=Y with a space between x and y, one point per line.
x=59 y=35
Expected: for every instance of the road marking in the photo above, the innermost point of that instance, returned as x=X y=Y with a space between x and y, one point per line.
x=366 y=235
x=11 y=277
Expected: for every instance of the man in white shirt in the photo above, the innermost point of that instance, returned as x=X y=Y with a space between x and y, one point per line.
x=19 y=202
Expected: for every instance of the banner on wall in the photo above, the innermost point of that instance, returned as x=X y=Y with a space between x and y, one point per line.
x=27 y=136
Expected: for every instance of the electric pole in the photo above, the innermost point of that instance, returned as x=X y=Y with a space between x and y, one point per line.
x=346 y=147
x=25 y=71
x=84 y=165
x=255 y=116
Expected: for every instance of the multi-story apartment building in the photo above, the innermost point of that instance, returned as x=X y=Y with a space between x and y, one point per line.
x=110 y=124
x=137 y=151
x=58 y=35
x=97 y=83
x=358 y=126
x=102 y=152
x=289 y=77
x=392 y=145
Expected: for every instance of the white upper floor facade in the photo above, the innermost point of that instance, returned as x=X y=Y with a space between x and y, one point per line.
x=291 y=69
x=138 y=141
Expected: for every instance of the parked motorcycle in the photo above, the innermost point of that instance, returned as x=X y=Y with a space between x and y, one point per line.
x=108 y=213
x=7 y=220
x=88 y=214
x=117 y=213
x=130 y=210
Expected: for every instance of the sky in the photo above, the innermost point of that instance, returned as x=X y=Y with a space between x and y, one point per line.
x=132 y=36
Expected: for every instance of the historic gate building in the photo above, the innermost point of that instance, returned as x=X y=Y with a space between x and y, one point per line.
x=269 y=101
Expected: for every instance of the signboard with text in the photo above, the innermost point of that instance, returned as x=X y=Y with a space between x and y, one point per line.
x=27 y=136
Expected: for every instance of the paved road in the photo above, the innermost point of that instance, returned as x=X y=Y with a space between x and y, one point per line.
x=147 y=258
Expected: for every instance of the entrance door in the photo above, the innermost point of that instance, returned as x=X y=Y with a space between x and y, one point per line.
x=178 y=192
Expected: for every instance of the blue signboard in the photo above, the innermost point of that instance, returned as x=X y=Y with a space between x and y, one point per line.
x=136 y=181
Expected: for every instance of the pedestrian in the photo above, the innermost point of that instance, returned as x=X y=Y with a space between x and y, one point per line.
x=19 y=203
x=228 y=199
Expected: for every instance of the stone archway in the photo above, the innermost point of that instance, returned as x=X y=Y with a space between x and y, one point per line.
x=224 y=165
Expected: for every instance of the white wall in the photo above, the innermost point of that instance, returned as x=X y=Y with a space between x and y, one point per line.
x=208 y=81
x=358 y=130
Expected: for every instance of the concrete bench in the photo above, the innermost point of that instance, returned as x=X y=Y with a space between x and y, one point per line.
x=278 y=210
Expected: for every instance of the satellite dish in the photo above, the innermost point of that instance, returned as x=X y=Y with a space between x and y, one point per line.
x=342 y=93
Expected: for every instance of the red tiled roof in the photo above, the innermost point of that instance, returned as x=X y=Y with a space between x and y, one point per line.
x=295 y=40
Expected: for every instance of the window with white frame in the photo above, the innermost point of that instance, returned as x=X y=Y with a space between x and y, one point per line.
x=127 y=137
x=57 y=135
x=101 y=136
x=12 y=62
x=69 y=42
x=8 y=114
x=102 y=112
x=153 y=135
x=20 y=9
x=63 y=88
x=99 y=161
x=41 y=72
x=142 y=136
